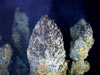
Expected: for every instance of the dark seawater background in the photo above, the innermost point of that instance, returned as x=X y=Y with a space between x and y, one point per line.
x=65 y=13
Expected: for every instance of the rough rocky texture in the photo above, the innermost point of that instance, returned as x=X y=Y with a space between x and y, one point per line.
x=79 y=67
x=46 y=52
x=5 y=57
x=82 y=40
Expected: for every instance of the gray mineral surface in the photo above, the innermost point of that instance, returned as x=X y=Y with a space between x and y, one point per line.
x=46 y=46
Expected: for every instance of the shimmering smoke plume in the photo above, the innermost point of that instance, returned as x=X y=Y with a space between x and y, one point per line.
x=46 y=51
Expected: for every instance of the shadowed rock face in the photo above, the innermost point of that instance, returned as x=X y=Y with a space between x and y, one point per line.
x=20 y=33
x=20 y=39
x=20 y=67
x=46 y=50
x=5 y=57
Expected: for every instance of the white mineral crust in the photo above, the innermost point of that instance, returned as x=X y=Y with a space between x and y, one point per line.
x=46 y=46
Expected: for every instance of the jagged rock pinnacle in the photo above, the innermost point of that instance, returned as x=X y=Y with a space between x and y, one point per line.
x=46 y=47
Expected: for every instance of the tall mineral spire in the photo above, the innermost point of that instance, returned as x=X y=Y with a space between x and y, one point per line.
x=46 y=52
x=82 y=42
